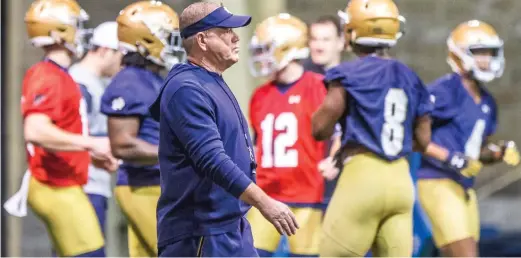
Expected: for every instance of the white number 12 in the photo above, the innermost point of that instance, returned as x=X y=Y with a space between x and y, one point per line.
x=276 y=152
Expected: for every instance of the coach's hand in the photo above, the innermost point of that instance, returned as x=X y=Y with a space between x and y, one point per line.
x=275 y=212
x=280 y=216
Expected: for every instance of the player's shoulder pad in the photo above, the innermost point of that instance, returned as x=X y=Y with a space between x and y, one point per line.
x=371 y=70
x=313 y=76
x=314 y=82
x=338 y=72
x=489 y=98
x=41 y=70
x=130 y=76
x=127 y=93
x=446 y=85
x=262 y=89
x=44 y=75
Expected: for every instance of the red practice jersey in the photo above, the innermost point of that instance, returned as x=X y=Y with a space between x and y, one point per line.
x=287 y=154
x=48 y=89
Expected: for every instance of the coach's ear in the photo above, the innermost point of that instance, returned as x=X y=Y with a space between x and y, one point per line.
x=201 y=40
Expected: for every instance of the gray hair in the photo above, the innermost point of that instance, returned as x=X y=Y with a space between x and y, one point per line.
x=192 y=14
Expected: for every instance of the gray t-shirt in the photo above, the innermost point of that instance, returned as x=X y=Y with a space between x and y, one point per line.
x=92 y=88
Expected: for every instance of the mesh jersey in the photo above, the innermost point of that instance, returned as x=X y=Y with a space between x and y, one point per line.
x=384 y=99
x=48 y=89
x=286 y=151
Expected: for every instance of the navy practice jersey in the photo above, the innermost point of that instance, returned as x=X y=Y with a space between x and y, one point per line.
x=458 y=123
x=384 y=99
x=205 y=153
x=130 y=93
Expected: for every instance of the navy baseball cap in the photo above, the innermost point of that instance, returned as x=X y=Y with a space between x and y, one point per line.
x=220 y=18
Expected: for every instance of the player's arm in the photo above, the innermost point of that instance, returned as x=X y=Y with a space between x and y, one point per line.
x=336 y=143
x=41 y=107
x=490 y=153
x=325 y=118
x=40 y=130
x=422 y=134
x=125 y=144
x=496 y=151
x=458 y=161
x=500 y=151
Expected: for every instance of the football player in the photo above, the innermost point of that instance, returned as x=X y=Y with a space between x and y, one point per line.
x=382 y=106
x=56 y=131
x=280 y=115
x=148 y=31
x=464 y=117
x=102 y=61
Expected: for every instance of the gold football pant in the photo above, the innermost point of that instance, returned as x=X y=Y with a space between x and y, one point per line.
x=139 y=206
x=370 y=208
x=453 y=215
x=70 y=219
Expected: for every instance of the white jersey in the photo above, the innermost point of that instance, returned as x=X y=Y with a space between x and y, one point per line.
x=92 y=88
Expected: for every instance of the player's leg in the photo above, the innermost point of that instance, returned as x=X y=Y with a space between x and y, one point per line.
x=473 y=211
x=137 y=246
x=305 y=242
x=99 y=202
x=144 y=221
x=354 y=212
x=467 y=247
x=395 y=234
x=266 y=238
x=448 y=208
x=124 y=200
x=395 y=237
x=69 y=217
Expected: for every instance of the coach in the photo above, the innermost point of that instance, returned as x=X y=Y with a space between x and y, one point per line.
x=205 y=152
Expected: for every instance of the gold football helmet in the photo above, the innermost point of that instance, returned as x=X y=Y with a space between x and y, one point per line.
x=465 y=43
x=152 y=29
x=52 y=22
x=373 y=23
x=277 y=41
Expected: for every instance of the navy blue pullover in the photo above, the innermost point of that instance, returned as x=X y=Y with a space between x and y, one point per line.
x=205 y=156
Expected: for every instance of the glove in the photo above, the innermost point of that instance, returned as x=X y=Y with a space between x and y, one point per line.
x=328 y=168
x=510 y=153
x=466 y=166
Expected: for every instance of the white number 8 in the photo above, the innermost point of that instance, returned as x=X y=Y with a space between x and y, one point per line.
x=395 y=113
x=278 y=152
